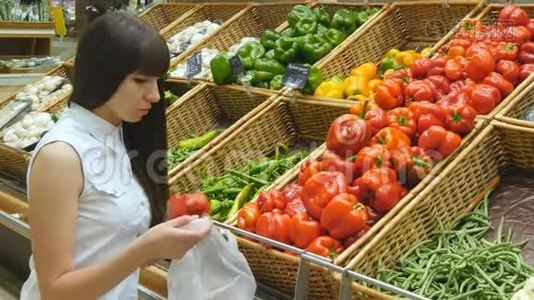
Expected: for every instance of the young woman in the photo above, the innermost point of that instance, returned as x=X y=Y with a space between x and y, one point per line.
x=95 y=182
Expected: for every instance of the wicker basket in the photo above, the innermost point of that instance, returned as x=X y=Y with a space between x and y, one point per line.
x=161 y=15
x=458 y=189
x=272 y=257
x=489 y=15
x=250 y=23
x=259 y=134
x=60 y=70
x=205 y=107
x=15 y=161
x=396 y=28
x=222 y=12
x=514 y=111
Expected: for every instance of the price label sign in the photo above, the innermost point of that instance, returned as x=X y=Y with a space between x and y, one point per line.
x=296 y=76
x=237 y=66
x=193 y=65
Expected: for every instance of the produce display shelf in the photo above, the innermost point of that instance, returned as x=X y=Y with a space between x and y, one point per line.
x=489 y=15
x=223 y=13
x=249 y=23
x=458 y=189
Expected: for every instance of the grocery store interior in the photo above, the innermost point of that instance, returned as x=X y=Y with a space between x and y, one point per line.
x=340 y=149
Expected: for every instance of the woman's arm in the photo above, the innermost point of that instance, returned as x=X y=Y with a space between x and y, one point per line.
x=55 y=184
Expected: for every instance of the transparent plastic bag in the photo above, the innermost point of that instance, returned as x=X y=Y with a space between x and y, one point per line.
x=213 y=270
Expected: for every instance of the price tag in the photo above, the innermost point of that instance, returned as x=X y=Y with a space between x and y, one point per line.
x=237 y=67
x=296 y=76
x=193 y=65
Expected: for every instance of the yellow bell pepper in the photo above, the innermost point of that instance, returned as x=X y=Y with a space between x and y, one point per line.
x=368 y=70
x=407 y=57
x=374 y=83
x=426 y=51
x=393 y=52
x=332 y=88
x=356 y=85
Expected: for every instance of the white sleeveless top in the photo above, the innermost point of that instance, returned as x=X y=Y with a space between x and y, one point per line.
x=113 y=209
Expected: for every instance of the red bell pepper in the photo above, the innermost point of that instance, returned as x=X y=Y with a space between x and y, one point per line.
x=419 y=90
x=303 y=230
x=484 y=98
x=513 y=15
x=453 y=70
x=440 y=139
x=509 y=70
x=269 y=200
x=326 y=246
x=391 y=138
x=518 y=35
x=320 y=189
x=347 y=135
x=461 y=118
x=427 y=114
x=507 y=51
x=403 y=119
x=379 y=188
x=525 y=71
x=438 y=66
x=274 y=225
x=308 y=168
x=294 y=207
x=291 y=192
x=530 y=27
x=376 y=119
x=389 y=94
x=247 y=216
x=375 y=156
x=420 y=67
x=360 y=108
x=352 y=239
x=334 y=162
x=497 y=80
x=344 y=216
x=526 y=53
x=187 y=204
x=453 y=98
x=442 y=84
x=412 y=165
x=480 y=63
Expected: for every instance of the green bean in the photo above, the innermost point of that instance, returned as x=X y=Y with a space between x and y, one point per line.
x=465 y=295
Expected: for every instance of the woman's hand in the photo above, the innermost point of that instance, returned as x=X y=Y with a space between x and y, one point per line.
x=169 y=240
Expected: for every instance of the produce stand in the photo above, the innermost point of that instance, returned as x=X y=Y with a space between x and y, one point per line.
x=266 y=140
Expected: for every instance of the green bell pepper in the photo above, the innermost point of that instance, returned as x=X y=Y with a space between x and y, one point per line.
x=315 y=78
x=263 y=75
x=249 y=52
x=334 y=36
x=361 y=17
x=268 y=38
x=314 y=47
x=321 y=29
x=276 y=82
x=270 y=54
x=221 y=69
x=269 y=66
x=290 y=32
x=323 y=16
x=344 y=20
x=299 y=12
x=390 y=63
x=305 y=26
x=286 y=49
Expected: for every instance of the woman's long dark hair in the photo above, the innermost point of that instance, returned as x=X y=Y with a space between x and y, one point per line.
x=113 y=46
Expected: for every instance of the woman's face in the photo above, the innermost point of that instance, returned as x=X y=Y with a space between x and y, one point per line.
x=133 y=98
